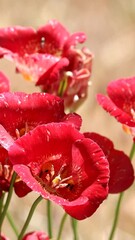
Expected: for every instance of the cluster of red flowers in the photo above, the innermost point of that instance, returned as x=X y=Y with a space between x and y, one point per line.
x=43 y=144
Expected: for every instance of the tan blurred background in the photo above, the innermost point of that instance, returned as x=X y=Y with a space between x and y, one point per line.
x=110 y=29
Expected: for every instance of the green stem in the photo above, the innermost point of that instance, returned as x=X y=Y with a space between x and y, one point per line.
x=74 y=228
x=117 y=210
x=7 y=200
x=29 y=217
x=61 y=226
x=49 y=218
x=12 y=224
x=1 y=202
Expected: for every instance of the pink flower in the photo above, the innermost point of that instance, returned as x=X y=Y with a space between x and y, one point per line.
x=121 y=169
x=50 y=58
x=120 y=102
x=20 y=113
x=37 y=235
x=59 y=163
x=4 y=83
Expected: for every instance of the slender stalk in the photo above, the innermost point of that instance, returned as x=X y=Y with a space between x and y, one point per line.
x=1 y=202
x=61 y=226
x=49 y=215
x=12 y=224
x=117 y=210
x=7 y=200
x=74 y=228
x=34 y=205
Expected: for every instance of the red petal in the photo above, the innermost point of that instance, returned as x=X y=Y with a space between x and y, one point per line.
x=21 y=35
x=121 y=169
x=35 y=65
x=121 y=172
x=17 y=109
x=110 y=107
x=74 y=119
x=97 y=169
x=122 y=93
x=21 y=189
x=74 y=39
x=52 y=75
x=55 y=36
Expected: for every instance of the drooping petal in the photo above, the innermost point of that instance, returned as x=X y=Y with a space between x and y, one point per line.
x=21 y=189
x=121 y=169
x=121 y=172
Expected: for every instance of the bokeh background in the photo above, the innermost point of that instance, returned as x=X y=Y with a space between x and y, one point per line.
x=110 y=29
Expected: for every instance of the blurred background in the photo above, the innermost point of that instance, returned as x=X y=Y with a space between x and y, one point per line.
x=110 y=29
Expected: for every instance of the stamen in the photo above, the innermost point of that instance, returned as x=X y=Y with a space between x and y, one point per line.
x=17 y=133
x=22 y=131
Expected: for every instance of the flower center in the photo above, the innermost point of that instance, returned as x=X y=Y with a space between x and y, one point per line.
x=58 y=182
x=55 y=181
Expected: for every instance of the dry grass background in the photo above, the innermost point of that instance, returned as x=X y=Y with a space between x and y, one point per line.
x=110 y=29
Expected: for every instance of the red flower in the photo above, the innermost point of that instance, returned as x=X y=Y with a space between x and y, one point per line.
x=37 y=235
x=50 y=58
x=121 y=102
x=58 y=162
x=121 y=169
x=4 y=83
x=21 y=113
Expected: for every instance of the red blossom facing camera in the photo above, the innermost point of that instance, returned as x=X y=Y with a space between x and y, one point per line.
x=121 y=169
x=59 y=163
x=120 y=102
x=20 y=113
x=50 y=58
x=37 y=235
